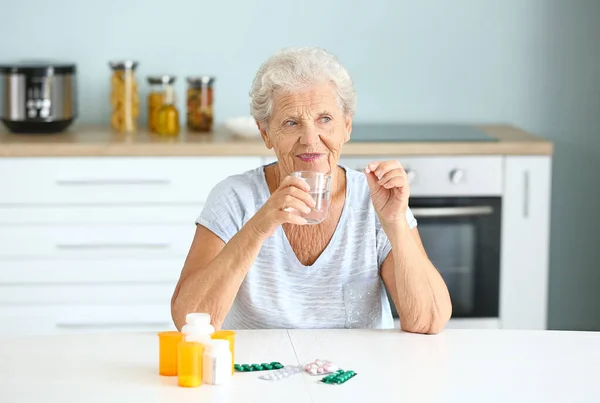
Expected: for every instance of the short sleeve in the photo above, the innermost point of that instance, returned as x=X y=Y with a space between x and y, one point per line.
x=383 y=243
x=225 y=209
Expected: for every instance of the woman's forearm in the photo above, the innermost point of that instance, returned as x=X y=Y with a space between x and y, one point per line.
x=424 y=301
x=213 y=288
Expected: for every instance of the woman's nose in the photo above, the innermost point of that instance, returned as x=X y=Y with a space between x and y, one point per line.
x=310 y=136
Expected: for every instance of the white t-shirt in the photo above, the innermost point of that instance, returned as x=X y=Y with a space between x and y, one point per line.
x=342 y=289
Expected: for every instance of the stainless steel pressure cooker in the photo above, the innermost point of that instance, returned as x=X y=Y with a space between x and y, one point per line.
x=38 y=97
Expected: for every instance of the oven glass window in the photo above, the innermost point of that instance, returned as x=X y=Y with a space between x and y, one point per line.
x=462 y=238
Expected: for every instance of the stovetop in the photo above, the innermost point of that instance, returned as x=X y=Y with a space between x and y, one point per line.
x=371 y=132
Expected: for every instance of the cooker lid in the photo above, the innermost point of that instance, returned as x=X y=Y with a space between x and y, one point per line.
x=38 y=68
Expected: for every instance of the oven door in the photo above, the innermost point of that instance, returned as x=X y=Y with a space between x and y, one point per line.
x=461 y=236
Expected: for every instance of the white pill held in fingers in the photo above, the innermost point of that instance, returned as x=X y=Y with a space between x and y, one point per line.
x=313 y=371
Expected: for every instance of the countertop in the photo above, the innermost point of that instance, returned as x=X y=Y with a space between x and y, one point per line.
x=101 y=141
x=453 y=366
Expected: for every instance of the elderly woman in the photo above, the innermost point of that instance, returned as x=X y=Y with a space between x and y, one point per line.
x=255 y=263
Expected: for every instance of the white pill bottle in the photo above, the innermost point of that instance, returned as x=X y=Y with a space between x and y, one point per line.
x=197 y=328
x=216 y=363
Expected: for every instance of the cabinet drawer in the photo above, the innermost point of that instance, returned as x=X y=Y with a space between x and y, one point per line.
x=96 y=241
x=57 y=319
x=95 y=271
x=77 y=294
x=102 y=180
x=88 y=214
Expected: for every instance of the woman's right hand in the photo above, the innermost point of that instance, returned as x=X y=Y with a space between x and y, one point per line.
x=282 y=207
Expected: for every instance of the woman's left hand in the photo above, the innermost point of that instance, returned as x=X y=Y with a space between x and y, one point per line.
x=390 y=190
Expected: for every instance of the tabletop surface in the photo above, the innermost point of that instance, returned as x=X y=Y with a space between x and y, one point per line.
x=454 y=366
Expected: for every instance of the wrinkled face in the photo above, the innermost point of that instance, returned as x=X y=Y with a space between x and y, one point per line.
x=307 y=129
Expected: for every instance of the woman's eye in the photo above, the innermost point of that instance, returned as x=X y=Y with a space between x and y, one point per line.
x=289 y=123
x=325 y=119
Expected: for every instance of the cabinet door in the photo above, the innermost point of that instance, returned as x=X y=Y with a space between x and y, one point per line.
x=525 y=242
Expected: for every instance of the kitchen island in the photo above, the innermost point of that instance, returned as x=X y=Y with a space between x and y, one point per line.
x=454 y=366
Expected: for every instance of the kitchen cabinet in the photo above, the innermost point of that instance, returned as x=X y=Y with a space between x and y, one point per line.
x=525 y=242
x=97 y=243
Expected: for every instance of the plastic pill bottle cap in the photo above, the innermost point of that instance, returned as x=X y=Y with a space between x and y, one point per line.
x=197 y=318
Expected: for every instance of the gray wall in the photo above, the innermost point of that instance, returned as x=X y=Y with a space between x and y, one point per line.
x=570 y=106
x=527 y=62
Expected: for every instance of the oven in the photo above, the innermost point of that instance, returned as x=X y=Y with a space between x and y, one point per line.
x=462 y=238
x=457 y=201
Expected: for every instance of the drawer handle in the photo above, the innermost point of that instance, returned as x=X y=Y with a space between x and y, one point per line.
x=78 y=325
x=149 y=245
x=111 y=182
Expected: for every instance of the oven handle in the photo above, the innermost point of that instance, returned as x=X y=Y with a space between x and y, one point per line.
x=434 y=212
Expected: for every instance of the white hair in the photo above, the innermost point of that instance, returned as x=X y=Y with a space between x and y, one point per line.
x=294 y=69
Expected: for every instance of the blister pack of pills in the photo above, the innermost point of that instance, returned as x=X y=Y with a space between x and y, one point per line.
x=282 y=373
x=265 y=366
x=320 y=367
x=338 y=377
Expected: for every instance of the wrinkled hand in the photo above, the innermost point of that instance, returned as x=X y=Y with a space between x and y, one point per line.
x=284 y=206
x=390 y=191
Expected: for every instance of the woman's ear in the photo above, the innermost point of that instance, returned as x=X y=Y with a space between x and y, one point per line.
x=264 y=135
x=348 y=127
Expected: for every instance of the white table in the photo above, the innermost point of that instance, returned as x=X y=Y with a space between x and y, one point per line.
x=454 y=366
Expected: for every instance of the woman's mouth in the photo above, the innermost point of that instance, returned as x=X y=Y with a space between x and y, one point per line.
x=309 y=157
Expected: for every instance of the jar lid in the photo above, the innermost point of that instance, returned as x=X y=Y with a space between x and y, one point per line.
x=123 y=64
x=162 y=79
x=201 y=80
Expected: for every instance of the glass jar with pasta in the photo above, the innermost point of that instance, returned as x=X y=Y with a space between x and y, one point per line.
x=200 y=103
x=124 y=96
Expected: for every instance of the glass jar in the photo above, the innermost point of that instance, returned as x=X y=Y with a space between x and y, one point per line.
x=167 y=119
x=124 y=97
x=200 y=103
x=159 y=85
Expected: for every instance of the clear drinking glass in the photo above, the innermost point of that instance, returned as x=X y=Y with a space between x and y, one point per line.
x=320 y=185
